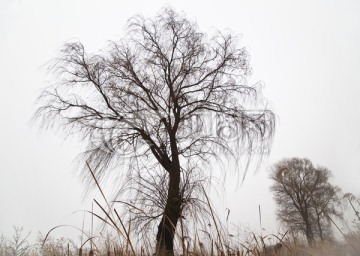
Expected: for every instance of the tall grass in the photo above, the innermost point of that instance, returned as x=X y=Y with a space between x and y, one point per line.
x=211 y=239
x=198 y=245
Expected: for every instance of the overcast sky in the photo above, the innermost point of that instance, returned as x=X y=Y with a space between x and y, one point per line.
x=306 y=52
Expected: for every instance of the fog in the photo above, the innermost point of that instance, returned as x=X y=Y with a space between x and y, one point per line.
x=306 y=53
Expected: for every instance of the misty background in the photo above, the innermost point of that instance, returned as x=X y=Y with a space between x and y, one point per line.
x=306 y=53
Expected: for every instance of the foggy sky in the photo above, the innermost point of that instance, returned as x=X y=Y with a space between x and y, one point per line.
x=306 y=52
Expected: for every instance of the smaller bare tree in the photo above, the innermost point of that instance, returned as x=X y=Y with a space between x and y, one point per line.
x=18 y=246
x=354 y=202
x=305 y=198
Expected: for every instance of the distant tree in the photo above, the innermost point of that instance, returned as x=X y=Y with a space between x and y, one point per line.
x=354 y=202
x=305 y=199
x=351 y=198
x=18 y=246
x=154 y=98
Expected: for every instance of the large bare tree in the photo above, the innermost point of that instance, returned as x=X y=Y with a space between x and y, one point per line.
x=305 y=198
x=168 y=94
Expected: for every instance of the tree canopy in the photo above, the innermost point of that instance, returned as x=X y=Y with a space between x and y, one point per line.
x=168 y=99
x=305 y=198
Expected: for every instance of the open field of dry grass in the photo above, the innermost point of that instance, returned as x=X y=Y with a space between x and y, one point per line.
x=115 y=237
x=230 y=246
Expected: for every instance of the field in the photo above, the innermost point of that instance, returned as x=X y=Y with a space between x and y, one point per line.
x=200 y=244
x=111 y=236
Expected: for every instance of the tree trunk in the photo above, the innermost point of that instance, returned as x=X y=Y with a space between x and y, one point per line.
x=320 y=228
x=309 y=234
x=171 y=215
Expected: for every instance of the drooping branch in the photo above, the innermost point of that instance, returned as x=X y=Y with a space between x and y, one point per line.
x=164 y=97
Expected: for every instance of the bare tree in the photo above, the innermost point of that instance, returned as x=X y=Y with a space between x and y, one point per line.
x=351 y=198
x=168 y=95
x=354 y=202
x=18 y=246
x=305 y=198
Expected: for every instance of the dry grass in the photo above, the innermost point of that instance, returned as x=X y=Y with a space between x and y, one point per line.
x=212 y=239
x=110 y=246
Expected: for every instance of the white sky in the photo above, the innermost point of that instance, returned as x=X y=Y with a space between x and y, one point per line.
x=306 y=52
